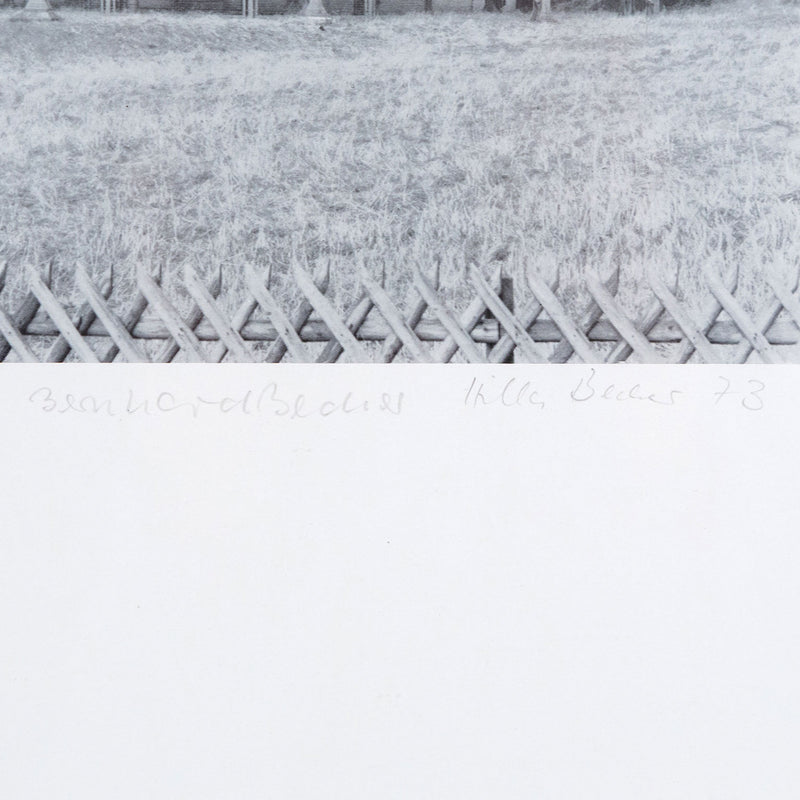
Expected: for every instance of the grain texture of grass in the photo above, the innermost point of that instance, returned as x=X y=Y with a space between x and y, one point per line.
x=591 y=142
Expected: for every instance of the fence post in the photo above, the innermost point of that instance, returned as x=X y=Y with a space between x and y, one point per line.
x=507 y=296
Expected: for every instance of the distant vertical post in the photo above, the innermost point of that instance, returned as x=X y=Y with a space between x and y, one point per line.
x=507 y=296
x=545 y=9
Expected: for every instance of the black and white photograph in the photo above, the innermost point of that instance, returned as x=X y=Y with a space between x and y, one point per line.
x=535 y=535
x=393 y=181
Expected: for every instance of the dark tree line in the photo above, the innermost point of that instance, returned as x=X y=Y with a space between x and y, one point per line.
x=608 y=5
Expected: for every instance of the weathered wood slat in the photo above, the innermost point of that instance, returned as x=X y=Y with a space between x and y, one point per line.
x=576 y=337
x=392 y=344
x=589 y=321
x=283 y=325
x=472 y=316
x=354 y=320
x=679 y=314
x=505 y=345
x=82 y=319
x=394 y=318
x=462 y=337
x=240 y=318
x=14 y=338
x=709 y=316
x=507 y=320
x=787 y=298
x=118 y=332
x=667 y=331
x=611 y=309
x=193 y=319
x=128 y=321
x=315 y=330
x=25 y=313
x=469 y=320
x=762 y=324
x=428 y=319
x=324 y=308
x=739 y=316
x=208 y=306
x=183 y=335
x=303 y=313
x=765 y=319
x=61 y=319
x=21 y=319
x=644 y=325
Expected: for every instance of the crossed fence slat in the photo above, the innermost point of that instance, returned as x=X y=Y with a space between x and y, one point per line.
x=353 y=321
x=393 y=344
x=644 y=325
x=61 y=319
x=183 y=334
x=81 y=320
x=24 y=316
x=468 y=320
x=505 y=346
x=588 y=320
x=510 y=323
x=14 y=339
x=489 y=328
x=193 y=319
x=459 y=334
x=787 y=298
x=556 y=311
x=129 y=321
x=302 y=314
x=115 y=327
x=238 y=321
x=624 y=326
x=289 y=336
x=693 y=333
x=764 y=322
x=710 y=316
x=740 y=317
x=207 y=304
x=393 y=317
x=328 y=313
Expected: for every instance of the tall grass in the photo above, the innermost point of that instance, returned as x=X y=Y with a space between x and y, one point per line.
x=592 y=142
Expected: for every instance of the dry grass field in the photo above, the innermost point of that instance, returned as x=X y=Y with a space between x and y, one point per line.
x=592 y=141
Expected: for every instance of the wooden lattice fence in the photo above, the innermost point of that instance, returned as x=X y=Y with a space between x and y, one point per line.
x=500 y=322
